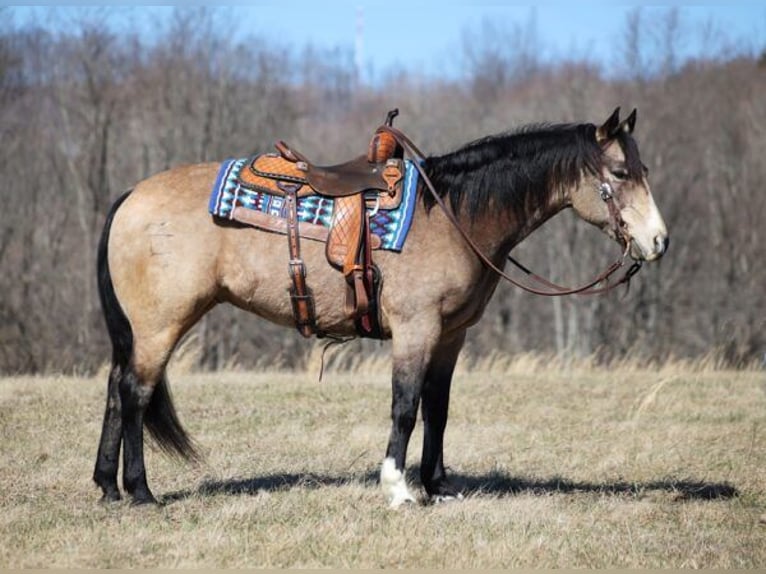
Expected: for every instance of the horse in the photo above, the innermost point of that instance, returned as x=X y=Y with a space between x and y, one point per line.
x=163 y=262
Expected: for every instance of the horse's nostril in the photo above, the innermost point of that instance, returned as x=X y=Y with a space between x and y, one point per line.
x=661 y=243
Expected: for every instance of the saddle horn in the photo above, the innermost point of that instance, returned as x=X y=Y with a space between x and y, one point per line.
x=383 y=145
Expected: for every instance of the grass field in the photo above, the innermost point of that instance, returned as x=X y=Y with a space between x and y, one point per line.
x=562 y=467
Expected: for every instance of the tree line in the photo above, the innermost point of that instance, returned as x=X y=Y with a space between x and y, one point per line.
x=86 y=112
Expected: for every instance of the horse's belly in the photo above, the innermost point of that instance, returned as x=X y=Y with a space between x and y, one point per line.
x=254 y=276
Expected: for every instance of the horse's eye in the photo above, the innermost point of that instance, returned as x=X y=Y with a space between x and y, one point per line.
x=620 y=173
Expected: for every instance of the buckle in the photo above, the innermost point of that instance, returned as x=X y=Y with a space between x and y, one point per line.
x=296 y=265
x=606 y=191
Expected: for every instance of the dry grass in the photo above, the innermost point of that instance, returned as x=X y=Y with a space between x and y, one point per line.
x=565 y=465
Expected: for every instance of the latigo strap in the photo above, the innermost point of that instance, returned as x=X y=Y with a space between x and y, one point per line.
x=300 y=295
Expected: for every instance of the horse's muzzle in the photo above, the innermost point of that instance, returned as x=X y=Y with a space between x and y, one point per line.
x=657 y=249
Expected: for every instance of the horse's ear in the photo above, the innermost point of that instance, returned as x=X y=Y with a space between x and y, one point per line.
x=608 y=129
x=630 y=122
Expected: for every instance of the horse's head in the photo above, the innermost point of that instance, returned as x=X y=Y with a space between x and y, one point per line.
x=617 y=198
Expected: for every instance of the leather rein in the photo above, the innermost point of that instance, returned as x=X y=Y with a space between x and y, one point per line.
x=553 y=290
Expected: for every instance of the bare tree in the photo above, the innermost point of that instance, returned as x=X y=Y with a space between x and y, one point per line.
x=86 y=112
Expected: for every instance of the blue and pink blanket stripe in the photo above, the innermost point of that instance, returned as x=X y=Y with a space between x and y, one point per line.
x=391 y=226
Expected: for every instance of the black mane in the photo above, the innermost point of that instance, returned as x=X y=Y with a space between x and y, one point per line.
x=517 y=169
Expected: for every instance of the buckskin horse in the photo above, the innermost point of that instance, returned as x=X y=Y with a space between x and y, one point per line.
x=163 y=262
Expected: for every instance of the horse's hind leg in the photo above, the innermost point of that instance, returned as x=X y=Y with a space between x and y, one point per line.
x=120 y=334
x=145 y=399
x=127 y=399
x=138 y=394
x=107 y=460
x=135 y=395
x=128 y=396
x=142 y=282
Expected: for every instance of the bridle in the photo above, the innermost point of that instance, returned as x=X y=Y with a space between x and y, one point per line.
x=606 y=192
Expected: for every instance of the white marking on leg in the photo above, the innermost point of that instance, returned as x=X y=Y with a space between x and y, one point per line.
x=394 y=484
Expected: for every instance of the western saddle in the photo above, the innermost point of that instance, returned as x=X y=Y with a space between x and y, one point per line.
x=371 y=180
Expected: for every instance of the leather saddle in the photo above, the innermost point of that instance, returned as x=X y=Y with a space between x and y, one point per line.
x=372 y=180
x=378 y=181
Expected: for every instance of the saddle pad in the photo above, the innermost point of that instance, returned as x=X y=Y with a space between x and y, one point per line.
x=390 y=225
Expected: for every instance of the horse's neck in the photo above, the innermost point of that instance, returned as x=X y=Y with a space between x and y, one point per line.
x=497 y=210
x=506 y=186
x=497 y=231
x=520 y=228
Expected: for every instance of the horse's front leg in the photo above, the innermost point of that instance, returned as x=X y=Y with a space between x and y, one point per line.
x=435 y=406
x=412 y=349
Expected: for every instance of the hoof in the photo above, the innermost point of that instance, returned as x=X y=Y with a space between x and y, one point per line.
x=394 y=485
x=110 y=497
x=446 y=498
x=403 y=501
x=144 y=500
x=442 y=491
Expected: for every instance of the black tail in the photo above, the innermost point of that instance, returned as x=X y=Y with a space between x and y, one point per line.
x=162 y=421
x=160 y=416
x=116 y=322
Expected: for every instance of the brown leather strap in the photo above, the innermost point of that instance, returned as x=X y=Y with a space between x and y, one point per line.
x=288 y=153
x=357 y=302
x=556 y=290
x=300 y=295
x=368 y=324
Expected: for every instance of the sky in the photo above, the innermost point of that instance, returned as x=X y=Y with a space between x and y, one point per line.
x=428 y=36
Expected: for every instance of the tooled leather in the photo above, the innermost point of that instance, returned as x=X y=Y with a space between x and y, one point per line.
x=382 y=147
x=346 y=232
x=266 y=171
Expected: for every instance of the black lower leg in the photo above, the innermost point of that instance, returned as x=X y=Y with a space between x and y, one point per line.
x=135 y=398
x=404 y=409
x=435 y=407
x=432 y=473
x=108 y=457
